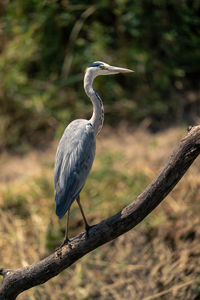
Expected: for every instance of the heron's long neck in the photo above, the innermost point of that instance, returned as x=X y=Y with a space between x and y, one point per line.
x=98 y=111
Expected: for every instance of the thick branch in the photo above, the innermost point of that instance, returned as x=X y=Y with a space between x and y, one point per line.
x=17 y=281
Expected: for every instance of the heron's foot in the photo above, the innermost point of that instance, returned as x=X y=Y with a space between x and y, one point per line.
x=65 y=242
x=88 y=228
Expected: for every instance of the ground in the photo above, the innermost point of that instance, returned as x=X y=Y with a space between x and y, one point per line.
x=159 y=259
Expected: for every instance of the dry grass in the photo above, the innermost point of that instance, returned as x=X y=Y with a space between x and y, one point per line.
x=159 y=259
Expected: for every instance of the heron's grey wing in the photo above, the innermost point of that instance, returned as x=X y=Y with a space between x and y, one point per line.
x=74 y=159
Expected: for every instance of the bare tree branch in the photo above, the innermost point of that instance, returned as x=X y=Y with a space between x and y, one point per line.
x=16 y=281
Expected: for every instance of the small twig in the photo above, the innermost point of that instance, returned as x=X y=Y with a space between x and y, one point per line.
x=2 y=271
x=189 y=128
x=5 y=272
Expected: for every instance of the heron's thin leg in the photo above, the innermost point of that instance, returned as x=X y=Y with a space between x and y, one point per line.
x=66 y=239
x=87 y=226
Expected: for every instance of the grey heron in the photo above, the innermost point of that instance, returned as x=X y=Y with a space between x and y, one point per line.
x=76 y=149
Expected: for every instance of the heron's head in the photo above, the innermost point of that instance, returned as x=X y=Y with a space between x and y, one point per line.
x=100 y=68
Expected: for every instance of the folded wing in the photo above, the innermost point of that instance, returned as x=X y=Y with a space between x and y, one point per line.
x=74 y=158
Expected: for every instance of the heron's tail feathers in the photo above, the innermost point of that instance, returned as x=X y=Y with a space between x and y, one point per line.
x=63 y=203
x=62 y=209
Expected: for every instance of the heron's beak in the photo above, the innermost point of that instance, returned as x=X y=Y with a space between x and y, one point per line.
x=115 y=70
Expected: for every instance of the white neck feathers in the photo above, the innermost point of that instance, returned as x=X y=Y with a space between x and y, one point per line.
x=98 y=111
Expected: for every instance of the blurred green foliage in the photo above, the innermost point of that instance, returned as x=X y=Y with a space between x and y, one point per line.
x=46 y=45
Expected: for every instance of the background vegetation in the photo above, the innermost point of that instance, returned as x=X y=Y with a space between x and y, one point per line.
x=46 y=46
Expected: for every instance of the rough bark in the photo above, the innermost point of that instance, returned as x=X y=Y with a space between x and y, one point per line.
x=16 y=281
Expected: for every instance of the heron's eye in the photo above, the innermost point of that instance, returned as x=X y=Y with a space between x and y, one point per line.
x=103 y=67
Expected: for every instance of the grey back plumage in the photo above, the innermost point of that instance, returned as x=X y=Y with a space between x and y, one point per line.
x=74 y=158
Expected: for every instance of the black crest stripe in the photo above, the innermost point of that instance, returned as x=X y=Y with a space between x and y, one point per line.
x=96 y=64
